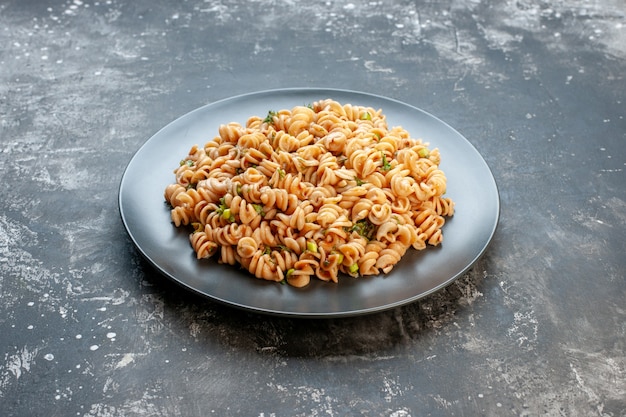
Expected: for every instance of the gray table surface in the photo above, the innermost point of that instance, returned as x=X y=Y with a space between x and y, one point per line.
x=536 y=327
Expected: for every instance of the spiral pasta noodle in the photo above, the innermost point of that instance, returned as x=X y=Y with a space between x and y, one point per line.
x=317 y=191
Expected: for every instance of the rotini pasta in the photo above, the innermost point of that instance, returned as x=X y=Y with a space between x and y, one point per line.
x=313 y=192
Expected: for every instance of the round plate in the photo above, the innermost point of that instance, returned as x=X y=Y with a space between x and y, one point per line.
x=419 y=273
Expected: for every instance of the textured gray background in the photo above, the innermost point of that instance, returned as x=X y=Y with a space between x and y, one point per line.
x=537 y=327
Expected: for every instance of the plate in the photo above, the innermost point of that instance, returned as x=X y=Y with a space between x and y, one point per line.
x=467 y=234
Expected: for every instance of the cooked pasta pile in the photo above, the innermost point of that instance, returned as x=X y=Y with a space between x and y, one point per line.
x=314 y=191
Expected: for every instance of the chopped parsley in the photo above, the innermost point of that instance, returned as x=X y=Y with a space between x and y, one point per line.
x=259 y=209
x=386 y=164
x=270 y=117
x=364 y=228
x=284 y=248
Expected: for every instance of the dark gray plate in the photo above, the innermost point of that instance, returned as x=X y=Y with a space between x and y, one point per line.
x=466 y=235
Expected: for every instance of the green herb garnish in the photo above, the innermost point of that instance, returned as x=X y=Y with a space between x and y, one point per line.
x=259 y=209
x=227 y=215
x=270 y=117
x=386 y=164
x=284 y=248
x=364 y=228
x=224 y=211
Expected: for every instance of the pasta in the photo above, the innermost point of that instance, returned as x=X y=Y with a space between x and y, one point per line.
x=311 y=193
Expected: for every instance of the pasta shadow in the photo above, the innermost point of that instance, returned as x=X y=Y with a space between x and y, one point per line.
x=313 y=338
